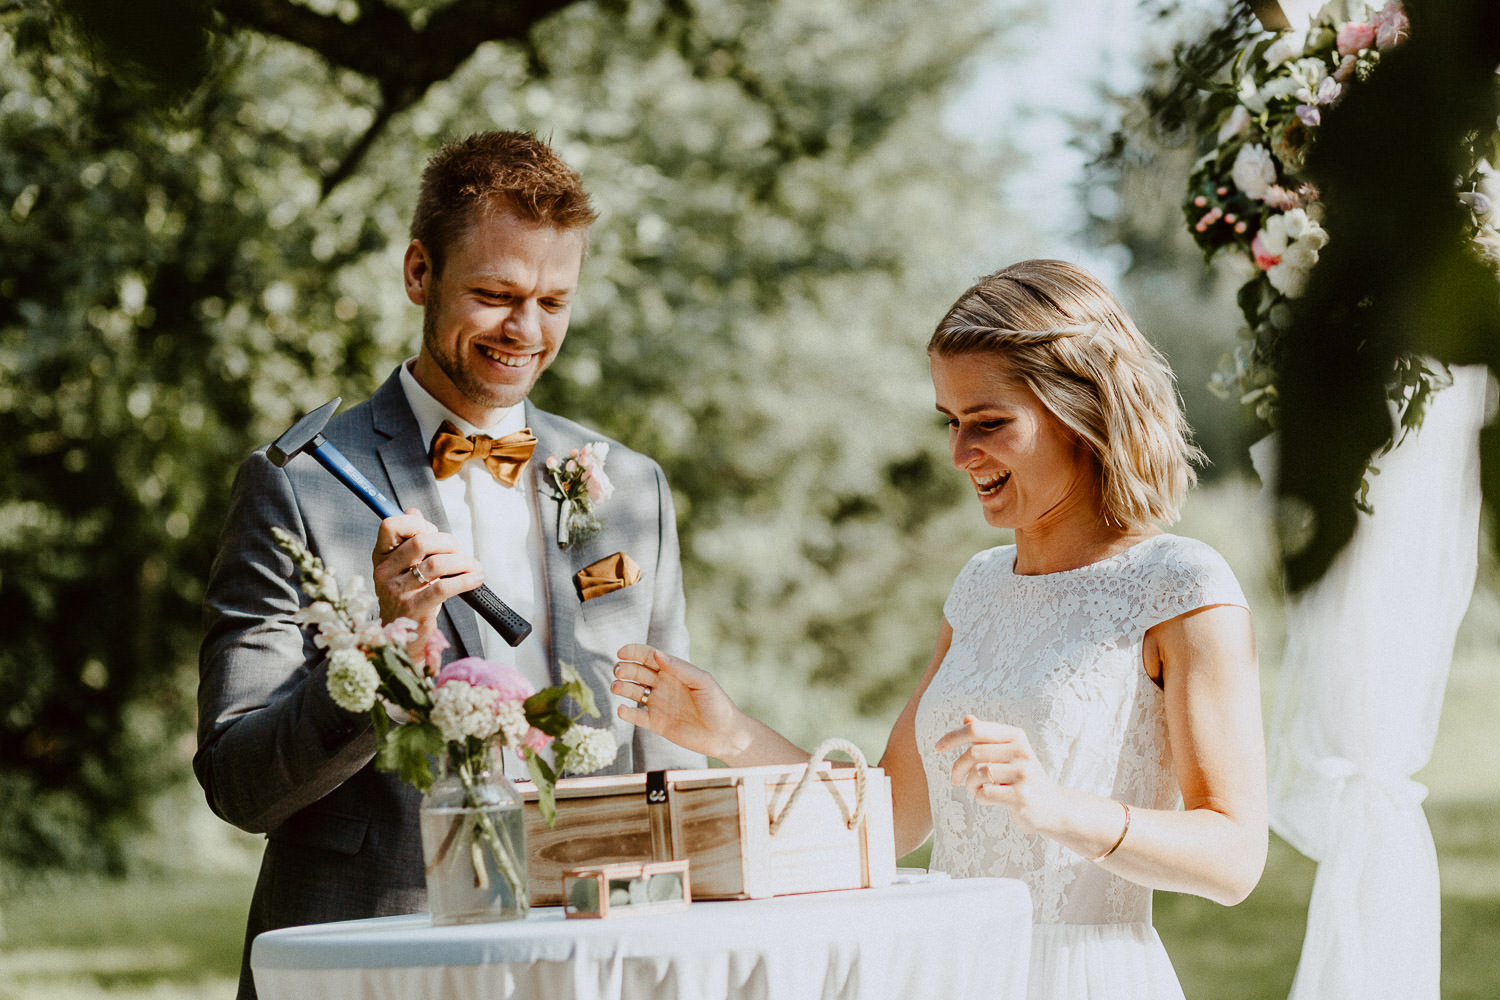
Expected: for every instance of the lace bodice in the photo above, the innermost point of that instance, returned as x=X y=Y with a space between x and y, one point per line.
x=1061 y=655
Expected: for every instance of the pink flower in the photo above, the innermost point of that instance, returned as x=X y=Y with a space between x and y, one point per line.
x=401 y=631
x=1310 y=115
x=1264 y=259
x=432 y=651
x=598 y=484
x=1281 y=199
x=1391 y=26
x=506 y=681
x=1355 y=37
x=536 y=739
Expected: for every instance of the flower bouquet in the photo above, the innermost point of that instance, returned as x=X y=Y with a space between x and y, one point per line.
x=1248 y=195
x=455 y=718
x=582 y=486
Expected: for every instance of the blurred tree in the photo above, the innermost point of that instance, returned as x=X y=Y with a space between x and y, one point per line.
x=200 y=234
x=1399 y=275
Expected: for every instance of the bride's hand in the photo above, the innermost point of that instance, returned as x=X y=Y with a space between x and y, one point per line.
x=998 y=767
x=678 y=701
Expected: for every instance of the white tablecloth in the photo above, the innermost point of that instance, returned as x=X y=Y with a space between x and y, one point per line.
x=938 y=938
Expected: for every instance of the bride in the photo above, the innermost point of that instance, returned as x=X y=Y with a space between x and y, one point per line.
x=1087 y=679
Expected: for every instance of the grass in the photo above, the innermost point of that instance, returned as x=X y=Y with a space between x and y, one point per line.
x=1249 y=952
x=157 y=938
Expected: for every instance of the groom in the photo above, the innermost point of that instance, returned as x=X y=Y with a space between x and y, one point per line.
x=497 y=243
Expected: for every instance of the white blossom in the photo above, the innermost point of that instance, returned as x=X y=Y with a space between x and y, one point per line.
x=1237 y=122
x=1254 y=171
x=460 y=710
x=1249 y=95
x=1295 y=239
x=1488 y=242
x=589 y=749
x=1289 y=46
x=360 y=602
x=510 y=717
x=1484 y=200
x=352 y=680
x=318 y=613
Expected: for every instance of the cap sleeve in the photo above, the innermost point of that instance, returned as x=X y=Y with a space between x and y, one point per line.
x=1188 y=575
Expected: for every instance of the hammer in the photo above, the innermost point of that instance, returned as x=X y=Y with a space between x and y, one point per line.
x=306 y=435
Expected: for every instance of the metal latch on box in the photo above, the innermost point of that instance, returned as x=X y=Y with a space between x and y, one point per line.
x=659 y=815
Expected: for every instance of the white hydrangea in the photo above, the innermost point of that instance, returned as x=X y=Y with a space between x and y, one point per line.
x=1295 y=239
x=1254 y=171
x=460 y=710
x=589 y=749
x=510 y=717
x=352 y=680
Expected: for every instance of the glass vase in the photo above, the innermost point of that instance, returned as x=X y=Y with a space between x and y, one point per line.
x=474 y=840
x=577 y=522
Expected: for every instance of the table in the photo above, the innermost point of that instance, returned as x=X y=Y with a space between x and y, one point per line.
x=942 y=938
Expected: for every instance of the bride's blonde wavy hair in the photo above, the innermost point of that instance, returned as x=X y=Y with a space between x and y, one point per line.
x=1059 y=332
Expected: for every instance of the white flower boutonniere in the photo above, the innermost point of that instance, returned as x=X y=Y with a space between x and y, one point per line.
x=583 y=486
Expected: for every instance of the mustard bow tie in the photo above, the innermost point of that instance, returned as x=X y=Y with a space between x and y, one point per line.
x=504 y=457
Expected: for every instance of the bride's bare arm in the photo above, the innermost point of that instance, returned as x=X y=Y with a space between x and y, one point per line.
x=684 y=704
x=1215 y=846
x=902 y=761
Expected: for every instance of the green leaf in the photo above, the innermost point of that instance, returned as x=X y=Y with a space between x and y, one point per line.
x=408 y=751
x=381 y=721
x=400 y=680
x=580 y=691
x=545 y=780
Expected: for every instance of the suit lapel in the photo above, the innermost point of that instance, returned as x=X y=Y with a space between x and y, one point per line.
x=562 y=605
x=404 y=456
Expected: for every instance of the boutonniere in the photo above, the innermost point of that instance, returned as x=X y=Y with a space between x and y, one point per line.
x=583 y=487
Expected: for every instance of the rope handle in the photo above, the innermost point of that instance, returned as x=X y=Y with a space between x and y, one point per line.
x=820 y=754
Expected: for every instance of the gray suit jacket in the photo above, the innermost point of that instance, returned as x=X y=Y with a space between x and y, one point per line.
x=276 y=755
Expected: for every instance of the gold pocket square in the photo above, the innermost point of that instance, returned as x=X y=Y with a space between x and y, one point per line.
x=606 y=576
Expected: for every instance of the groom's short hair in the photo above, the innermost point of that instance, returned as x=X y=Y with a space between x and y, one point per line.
x=491 y=172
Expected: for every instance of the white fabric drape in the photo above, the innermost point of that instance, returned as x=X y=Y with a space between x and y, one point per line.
x=1367 y=657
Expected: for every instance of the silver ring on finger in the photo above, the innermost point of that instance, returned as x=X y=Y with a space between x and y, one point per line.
x=416 y=571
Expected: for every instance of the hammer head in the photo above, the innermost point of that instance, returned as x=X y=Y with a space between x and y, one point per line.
x=303 y=434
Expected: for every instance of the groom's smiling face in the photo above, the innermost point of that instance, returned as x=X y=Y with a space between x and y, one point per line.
x=1029 y=470
x=495 y=315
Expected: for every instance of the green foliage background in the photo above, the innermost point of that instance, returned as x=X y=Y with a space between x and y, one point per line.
x=187 y=266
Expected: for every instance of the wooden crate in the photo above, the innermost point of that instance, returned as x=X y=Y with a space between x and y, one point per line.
x=720 y=821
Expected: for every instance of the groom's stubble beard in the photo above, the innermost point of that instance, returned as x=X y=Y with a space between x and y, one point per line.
x=474 y=389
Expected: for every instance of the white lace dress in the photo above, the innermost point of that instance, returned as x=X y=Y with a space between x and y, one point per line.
x=1060 y=655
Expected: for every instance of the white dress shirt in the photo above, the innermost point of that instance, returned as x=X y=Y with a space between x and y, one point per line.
x=500 y=526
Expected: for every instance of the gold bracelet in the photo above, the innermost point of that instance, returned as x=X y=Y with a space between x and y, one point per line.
x=1116 y=845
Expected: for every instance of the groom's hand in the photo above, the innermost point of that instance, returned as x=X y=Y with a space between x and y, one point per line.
x=417 y=568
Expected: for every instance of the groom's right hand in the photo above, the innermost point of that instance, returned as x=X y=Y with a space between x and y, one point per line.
x=417 y=568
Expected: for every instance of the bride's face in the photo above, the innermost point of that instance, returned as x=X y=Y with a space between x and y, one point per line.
x=1027 y=468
